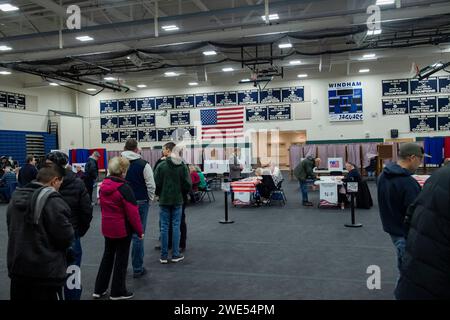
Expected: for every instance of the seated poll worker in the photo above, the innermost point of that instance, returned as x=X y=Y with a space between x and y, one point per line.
x=265 y=184
x=353 y=175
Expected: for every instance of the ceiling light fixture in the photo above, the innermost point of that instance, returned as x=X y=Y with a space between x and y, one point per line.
x=374 y=32
x=245 y=80
x=364 y=70
x=294 y=62
x=209 y=53
x=170 y=74
x=110 y=78
x=193 y=83
x=54 y=84
x=91 y=89
x=6 y=7
x=171 y=27
x=142 y=86
x=273 y=16
x=5 y=73
x=285 y=45
x=227 y=69
x=384 y=2
x=304 y=75
x=369 y=56
x=84 y=38
x=5 y=48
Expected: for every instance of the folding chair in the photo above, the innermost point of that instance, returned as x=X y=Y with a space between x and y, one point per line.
x=278 y=194
x=207 y=192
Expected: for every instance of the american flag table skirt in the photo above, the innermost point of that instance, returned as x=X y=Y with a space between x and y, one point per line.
x=243 y=191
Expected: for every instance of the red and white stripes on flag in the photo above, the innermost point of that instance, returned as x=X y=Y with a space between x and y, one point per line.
x=222 y=123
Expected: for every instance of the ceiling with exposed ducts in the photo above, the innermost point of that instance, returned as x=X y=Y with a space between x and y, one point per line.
x=131 y=41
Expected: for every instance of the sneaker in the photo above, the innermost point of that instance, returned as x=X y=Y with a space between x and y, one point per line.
x=125 y=296
x=177 y=258
x=163 y=260
x=140 y=274
x=308 y=204
x=99 y=295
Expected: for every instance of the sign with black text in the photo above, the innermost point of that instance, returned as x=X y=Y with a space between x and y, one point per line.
x=345 y=101
x=256 y=113
x=145 y=104
x=3 y=100
x=205 y=100
x=444 y=104
x=109 y=123
x=165 y=134
x=279 y=112
x=180 y=118
x=293 y=94
x=395 y=106
x=128 y=121
x=248 y=97
x=397 y=87
x=444 y=84
x=444 y=122
x=422 y=105
x=145 y=120
x=270 y=96
x=16 y=101
x=127 y=134
x=164 y=103
x=108 y=106
x=127 y=105
x=110 y=136
x=423 y=86
x=228 y=98
x=423 y=123
x=184 y=101
x=147 y=135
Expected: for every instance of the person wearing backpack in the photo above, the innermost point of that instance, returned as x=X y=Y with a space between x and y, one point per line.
x=39 y=235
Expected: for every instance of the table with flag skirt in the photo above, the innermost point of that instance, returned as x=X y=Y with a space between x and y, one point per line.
x=243 y=191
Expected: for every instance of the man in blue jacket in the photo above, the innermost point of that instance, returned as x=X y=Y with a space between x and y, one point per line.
x=397 y=189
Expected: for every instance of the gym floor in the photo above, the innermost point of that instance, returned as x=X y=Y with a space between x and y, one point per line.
x=275 y=252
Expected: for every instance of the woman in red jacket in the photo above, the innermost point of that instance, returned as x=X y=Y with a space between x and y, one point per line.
x=120 y=219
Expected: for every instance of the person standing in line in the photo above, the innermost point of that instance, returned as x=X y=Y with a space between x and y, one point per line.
x=172 y=182
x=91 y=172
x=141 y=180
x=305 y=171
x=425 y=265
x=120 y=219
x=28 y=172
x=39 y=235
x=74 y=193
x=397 y=189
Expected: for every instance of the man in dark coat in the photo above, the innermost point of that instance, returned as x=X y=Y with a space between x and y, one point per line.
x=426 y=263
x=28 y=172
x=91 y=172
x=396 y=191
x=39 y=234
x=303 y=172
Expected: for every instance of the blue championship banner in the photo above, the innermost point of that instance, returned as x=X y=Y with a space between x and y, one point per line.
x=423 y=86
x=444 y=122
x=110 y=136
x=205 y=100
x=444 y=84
x=147 y=135
x=145 y=120
x=293 y=94
x=345 y=101
x=16 y=101
x=127 y=134
x=422 y=105
x=256 y=113
x=270 y=96
x=279 y=112
x=395 y=106
x=145 y=104
x=3 y=100
x=165 y=134
x=127 y=105
x=397 y=87
x=180 y=118
x=164 y=103
x=444 y=104
x=423 y=123
x=183 y=134
x=109 y=123
x=248 y=97
x=108 y=106
x=128 y=121
x=184 y=101
x=228 y=98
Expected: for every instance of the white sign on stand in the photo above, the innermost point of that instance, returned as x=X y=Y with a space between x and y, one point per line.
x=328 y=192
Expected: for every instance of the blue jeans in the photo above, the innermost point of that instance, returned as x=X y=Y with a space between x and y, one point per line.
x=137 y=251
x=166 y=214
x=73 y=291
x=400 y=245
x=304 y=190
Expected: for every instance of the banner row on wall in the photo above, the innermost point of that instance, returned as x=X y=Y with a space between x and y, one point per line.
x=403 y=87
x=12 y=100
x=147 y=134
x=228 y=98
x=183 y=118
x=416 y=105
x=427 y=123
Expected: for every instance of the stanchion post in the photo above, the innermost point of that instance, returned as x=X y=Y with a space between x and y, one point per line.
x=226 y=188
x=352 y=205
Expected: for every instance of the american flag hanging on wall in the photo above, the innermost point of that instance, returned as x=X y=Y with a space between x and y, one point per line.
x=222 y=123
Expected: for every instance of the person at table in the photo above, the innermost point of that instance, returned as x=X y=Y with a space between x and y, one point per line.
x=304 y=172
x=397 y=190
x=265 y=184
x=235 y=167
x=195 y=178
x=352 y=176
